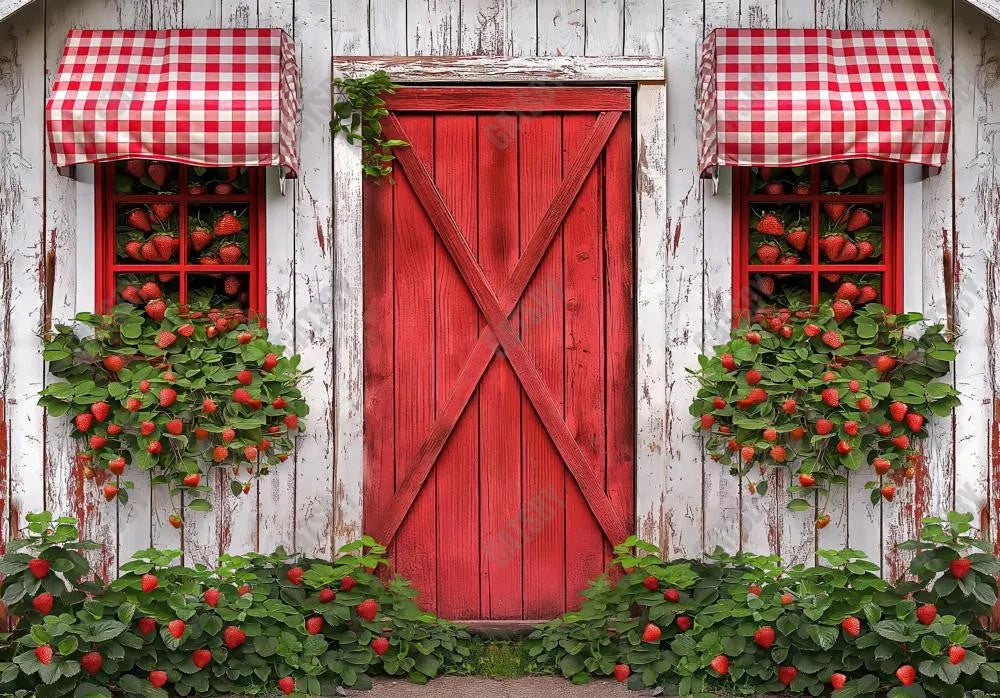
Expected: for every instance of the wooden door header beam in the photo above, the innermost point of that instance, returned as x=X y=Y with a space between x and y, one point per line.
x=493 y=69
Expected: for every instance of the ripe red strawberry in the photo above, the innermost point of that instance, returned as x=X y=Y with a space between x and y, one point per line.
x=146 y=428
x=136 y=168
x=672 y=595
x=786 y=599
x=201 y=238
x=245 y=376
x=811 y=330
x=832 y=245
x=830 y=397
x=117 y=465
x=881 y=465
x=651 y=633
x=150 y=253
x=347 y=583
x=243 y=589
x=131 y=294
x=787 y=260
x=231 y=285
x=832 y=339
x=859 y=219
x=926 y=613
x=220 y=453
x=175 y=427
x=83 y=422
x=138 y=219
x=720 y=665
x=801 y=189
x=787 y=674
x=862 y=168
x=380 y=646
x=885 y=363
x=43 y=653
x=753 y=377
x=295 y=575
x=291 y=421
x=208 y=406
x=768 y=253
x=770 y=434
x=147 y=625
x=166 y=246
x=228 y=224
x=228 y=434
x=149 y=582
x=837 y=681
x=270 y=361
x=168 y=396
x=797 y=238
x=233 y=637
x=728 y=362
x=765 y=285
x=367 y=609
x=150 y=291
x=158 y=678
x=849 y=252
x=906 y=674
x=867 y=295
x=865 y=250
x=97 y=442
x=888 y=492
x=835 y=212
x=286 y=684
x=774 y=188
x=707 y=421
x=192 y=479
x=956 y=654
x=854 y=386
x=161 y=212
x=43 y=603
x=113 y=363
x=901 y=442
x=898 y=410
x=230 y=254
x=314 y=624
x=326 y=595
x=201 y=658
x=165 y=338
x=806 y=480
x=851 y=626
x=755 y=589
x=747 y=453
x=114 y=429
x=843 y=448
x=960 y=567
x=156 y=309
x=211 y=597
x=842 y=310
x=884 y=429
x=209 y=259
x=110 y=492
x=92 y=662
x=840 y=172
x=622 y=672
x=770 y=224
x=133 y=404
x=683 y=623
x=848 y=291
x=176 y=628
x=851 y=427
x=764 y=637
x=158 y=171
x=244 y=338
x=788 y=406
x=915 y=421
x=823 y=521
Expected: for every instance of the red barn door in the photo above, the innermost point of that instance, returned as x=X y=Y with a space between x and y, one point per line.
x=498 y=348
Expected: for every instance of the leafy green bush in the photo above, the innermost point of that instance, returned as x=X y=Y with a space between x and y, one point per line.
x=746 y=625
x=254 y=625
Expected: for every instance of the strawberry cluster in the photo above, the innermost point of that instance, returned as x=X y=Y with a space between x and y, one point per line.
x=176 y=391
x=823 y=391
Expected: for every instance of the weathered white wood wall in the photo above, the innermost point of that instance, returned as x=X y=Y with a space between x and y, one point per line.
x=46 y=248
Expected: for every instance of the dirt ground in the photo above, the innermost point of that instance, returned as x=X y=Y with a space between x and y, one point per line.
x=477 y=687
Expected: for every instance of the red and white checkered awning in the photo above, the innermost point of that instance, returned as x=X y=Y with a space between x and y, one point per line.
x=798 y=96
x=206 y=97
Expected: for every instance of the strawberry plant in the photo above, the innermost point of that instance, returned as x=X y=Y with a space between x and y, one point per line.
x=257 y=624
x=749 y=625
x=823 y=391
x=176 y=391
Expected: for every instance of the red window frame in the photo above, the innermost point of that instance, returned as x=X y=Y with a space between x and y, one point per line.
x=890 y=266
x=108 y=265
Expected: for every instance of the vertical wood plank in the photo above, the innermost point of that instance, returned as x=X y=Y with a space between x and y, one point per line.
x=583 y=282
x=432 y=27
x=684 y=296
x=561 y=27
x=202 y=13
x=276 y=522
x=793 y=14
x=415 y=240
x=22 y=250
x=651 y=311
x=522 y=27
x=605 y=28
x=239 y=14
x=644 y=28
x=314 y=265
x=758 y=14
x=544 y=548
x=166 y=14
x=387 y=27
x=484 y=27
x=722 y=499
x=456 y=331
x=500 y=418
x=976 y=99
x=830 y=13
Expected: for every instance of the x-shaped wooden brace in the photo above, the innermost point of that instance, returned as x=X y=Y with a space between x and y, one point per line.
x=500 y=331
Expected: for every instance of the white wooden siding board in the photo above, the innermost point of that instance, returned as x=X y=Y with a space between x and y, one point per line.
x=483 y=28
x=644 y=28
x=522 y=28
x=239 y=14
x=314 y=283
x=796 y=14
x=22 y=249
x=605 y=28
x=432 y=27
x=759 y=14
x=561 y=27
x=830 y=13
x=200 y=14
x=651 y=309
x=514 y=69
x=387 y=27
x=976 y=223
x=682 y=502
x=276 y=523
x=167 y=14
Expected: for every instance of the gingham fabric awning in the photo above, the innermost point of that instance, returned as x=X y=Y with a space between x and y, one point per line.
x=798 y=96
x=206 y=97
